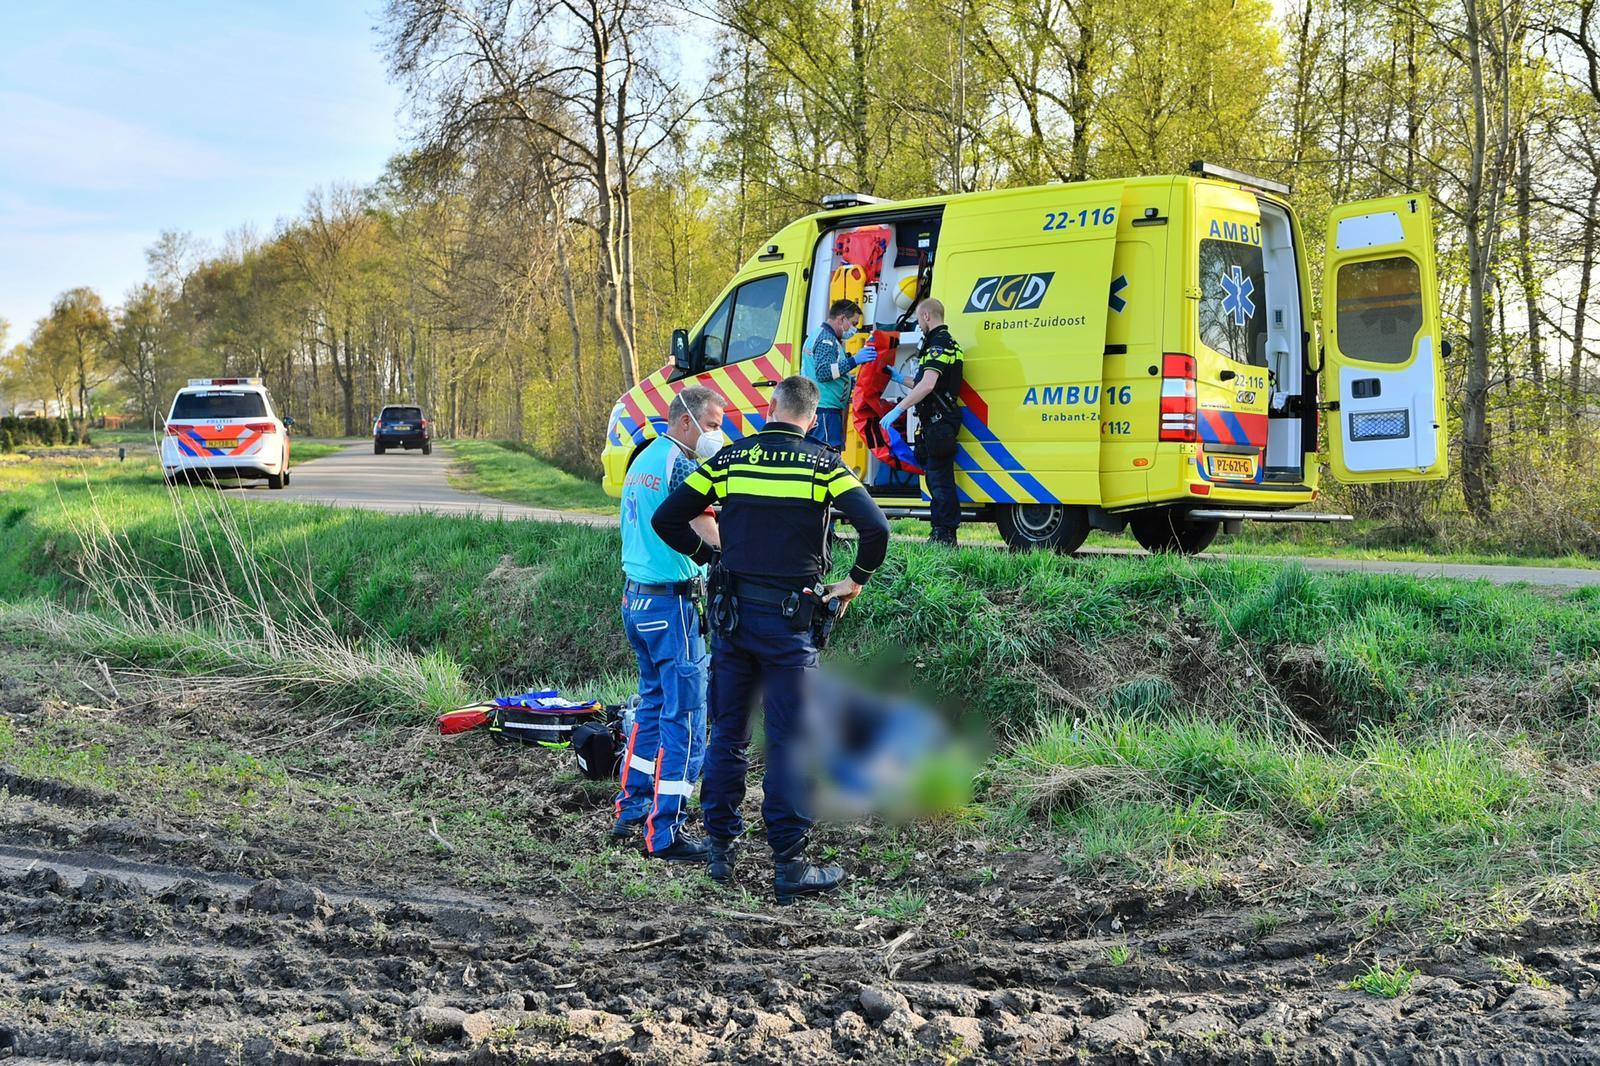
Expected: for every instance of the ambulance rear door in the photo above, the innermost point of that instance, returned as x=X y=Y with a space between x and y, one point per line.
x=1383 y=373
x=1024 y=276
x=1230 y=360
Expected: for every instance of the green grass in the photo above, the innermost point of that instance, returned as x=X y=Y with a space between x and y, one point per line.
x=1428 y=746
x=511 y=472
x=1441 y=819
x=305 y=451
x=1350 y=540
x=1388 y=984
x=1362 y=540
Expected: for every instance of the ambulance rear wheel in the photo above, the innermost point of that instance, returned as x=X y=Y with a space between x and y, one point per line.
x=1166 y=532
x=1029 y=526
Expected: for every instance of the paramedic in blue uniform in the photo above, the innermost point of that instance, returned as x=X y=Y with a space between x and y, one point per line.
x=824 y=360
x=776 y=488
x=936 y=397
x=661 y=605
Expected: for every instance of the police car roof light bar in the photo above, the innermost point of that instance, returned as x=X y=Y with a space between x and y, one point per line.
x=836 y=201
x=224 y=381
x=1238 y=177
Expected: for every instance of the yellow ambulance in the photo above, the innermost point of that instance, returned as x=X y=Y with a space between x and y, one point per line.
x=1140 y=354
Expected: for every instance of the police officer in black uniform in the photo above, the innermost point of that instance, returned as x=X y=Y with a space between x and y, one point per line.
x=767 y=607
x=936 y=396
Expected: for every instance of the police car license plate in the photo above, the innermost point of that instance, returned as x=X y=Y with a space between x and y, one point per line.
x=1241 y=467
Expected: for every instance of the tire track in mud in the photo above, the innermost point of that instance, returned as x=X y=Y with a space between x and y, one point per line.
x=104 y=958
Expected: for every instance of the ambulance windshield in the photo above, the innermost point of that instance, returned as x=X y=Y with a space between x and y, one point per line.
x=1233 y=320
x=207 y=406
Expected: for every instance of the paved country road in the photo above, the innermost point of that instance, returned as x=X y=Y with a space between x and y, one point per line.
x=403 y=482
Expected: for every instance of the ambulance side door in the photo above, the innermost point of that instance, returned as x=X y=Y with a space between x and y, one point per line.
x=744 y=348
x=1383 y=365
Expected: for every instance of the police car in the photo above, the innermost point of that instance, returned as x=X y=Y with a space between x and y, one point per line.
x=225 y=428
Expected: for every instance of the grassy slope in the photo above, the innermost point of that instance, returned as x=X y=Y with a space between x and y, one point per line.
x=507 y=471
x=510 y=472
x=1430 y=742
x=305 y=451
x=1357 y=540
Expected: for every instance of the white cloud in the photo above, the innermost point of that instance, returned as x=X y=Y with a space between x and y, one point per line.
x=44 y=142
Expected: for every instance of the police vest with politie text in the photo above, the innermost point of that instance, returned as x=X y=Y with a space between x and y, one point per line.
x=776 y=488
x=939 y=413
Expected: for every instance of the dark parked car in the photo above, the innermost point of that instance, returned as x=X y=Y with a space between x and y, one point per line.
x=399 y=426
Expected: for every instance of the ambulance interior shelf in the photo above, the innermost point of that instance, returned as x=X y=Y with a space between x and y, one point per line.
x=886 y=268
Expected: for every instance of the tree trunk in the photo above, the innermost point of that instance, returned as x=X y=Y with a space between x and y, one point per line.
x=1082 y=101
x=569 y=296
x=1580 y=320
x=607 y=222
x=343 y=374
x=1530 y=289
x=858 y=137
x=1485 y=185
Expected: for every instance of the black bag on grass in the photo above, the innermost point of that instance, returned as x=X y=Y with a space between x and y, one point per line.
x=544 y=727
x=597 y=746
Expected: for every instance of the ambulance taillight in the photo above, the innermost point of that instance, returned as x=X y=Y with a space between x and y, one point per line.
x=1178 y=418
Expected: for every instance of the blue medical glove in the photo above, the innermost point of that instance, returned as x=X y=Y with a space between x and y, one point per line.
x=893 y=416
x=898 y=446
x=865 y=355
x=897 y=377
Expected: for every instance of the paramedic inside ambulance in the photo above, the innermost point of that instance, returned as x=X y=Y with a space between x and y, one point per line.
x=661 y=611
x=824 y=360
x=936 y=398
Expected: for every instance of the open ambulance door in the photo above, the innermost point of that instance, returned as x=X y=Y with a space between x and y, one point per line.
x=1383 y=366
x=1383 y=378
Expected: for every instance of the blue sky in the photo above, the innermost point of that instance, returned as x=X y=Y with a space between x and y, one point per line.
x=119 y=120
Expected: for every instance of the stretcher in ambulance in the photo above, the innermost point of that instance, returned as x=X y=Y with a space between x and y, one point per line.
x=225 y=429
x=1141 y=354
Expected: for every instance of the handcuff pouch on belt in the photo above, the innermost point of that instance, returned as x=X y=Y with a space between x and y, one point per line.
x=810 y=610
x=722 y=610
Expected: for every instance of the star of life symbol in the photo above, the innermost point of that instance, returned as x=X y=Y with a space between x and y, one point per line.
x=630 y=508
x=1238 y=290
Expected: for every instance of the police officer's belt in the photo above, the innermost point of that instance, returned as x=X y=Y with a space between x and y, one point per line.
x=678 y=588
x=756 y=592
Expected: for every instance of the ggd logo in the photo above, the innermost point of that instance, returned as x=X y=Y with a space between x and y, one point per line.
x=1008 y=292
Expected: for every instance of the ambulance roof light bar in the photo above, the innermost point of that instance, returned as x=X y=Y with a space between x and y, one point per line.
x=223 y=381
x=835 y=201
x=1238 y=177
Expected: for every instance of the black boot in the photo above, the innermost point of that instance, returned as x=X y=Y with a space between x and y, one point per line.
x=626 y=832
x=724 y=857
x=943 y=536
x=794 y=877
x=684 y=848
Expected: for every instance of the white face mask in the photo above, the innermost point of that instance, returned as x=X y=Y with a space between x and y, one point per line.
x=709 y=443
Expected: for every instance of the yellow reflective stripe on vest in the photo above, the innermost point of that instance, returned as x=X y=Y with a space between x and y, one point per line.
x=840 y=481
x=777 y=488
